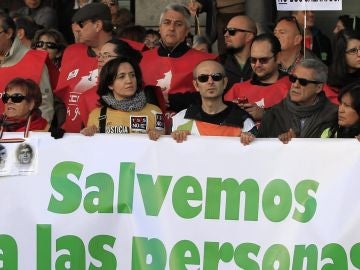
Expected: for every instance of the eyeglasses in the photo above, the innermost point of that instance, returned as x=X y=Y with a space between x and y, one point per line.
x=106 y=56
x=81 y=23
x=16 y=98
x=48 y=44
x=353 y=51
x=291 y=19
x=302 y=81
x=232 y=31
x=205 y=77
x=262 y=60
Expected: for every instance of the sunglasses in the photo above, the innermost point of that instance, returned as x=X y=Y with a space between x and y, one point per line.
x=302 y=81
x=232 y=31
x=205 y=77
x=82 y=23
x=48 y=44
x=262 y=60
x=16 y=98
x=292 y=19
x=353 y=51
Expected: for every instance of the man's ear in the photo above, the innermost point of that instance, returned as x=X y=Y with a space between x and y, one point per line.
x=298 y=39
x=196 y=85
x=320 y=87
x=20 y=33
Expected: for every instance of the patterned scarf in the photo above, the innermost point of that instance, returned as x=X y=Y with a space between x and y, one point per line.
x=130 y=104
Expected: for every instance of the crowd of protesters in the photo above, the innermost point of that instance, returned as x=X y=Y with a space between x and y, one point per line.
x=94 y=71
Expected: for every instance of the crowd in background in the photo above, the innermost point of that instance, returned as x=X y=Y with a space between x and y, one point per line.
x=84 y=66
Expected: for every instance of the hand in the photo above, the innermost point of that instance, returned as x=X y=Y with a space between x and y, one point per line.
x=254 y=110
x=180 y=135
x=89 y=131
x=358 y=137
x=154 y=134
x=287 y=136
x=246 y=138
x=194 y=6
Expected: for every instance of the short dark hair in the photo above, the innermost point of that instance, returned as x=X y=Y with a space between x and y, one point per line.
x=108 y=75
x=272 y=39
x=8 y=23
x=30 y=87
x=123 y=49
x=28 y=24
x=354 y=91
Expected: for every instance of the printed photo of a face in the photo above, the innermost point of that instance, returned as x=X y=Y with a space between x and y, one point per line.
x=24 y=154
x=3 y=156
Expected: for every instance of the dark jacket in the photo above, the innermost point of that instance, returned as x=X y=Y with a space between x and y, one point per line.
x=310 y=122
x=321 y=46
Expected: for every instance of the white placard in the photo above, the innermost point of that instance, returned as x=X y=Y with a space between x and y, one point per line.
x=289 y=5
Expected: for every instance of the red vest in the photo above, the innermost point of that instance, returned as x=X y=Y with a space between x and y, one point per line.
x=135 y=45
x=172 y=75
x=331 y=93
x=263 y=96
x=30 y=67
x=78 y=74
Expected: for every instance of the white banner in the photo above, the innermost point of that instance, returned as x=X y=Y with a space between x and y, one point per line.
x=125 y=202
x=309 y=5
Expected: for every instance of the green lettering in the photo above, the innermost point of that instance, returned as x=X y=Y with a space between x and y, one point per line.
x=148 y=254
x=310 y=253
x=43 y=242
x=214 y=253
x=186 y=189
x=8 y=252
x=233 y=189
x=70 y=193
x=276 y=254
x=153 y=194
x=241 y=256
x=102 y=200
x=72 y=253
x=184 y=253
x=337 y=254
x=126 y=187
x=308 y=202
x=97 y=251
x=355 y=255
x=280 y=191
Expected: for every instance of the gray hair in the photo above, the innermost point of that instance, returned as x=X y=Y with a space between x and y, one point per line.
x=321 y=70
x=178 y=8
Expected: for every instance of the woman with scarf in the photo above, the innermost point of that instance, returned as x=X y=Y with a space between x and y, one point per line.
x=123 y=103
x=348 y=122
x=22 y=99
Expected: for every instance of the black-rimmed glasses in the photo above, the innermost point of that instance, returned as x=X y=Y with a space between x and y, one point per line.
x=205 y=77
x=302 y=81
x=233 y=31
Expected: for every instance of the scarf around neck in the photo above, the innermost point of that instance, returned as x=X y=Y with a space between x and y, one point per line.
x=129 y=104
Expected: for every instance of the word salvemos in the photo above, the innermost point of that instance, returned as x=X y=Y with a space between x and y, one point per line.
x=214 y=199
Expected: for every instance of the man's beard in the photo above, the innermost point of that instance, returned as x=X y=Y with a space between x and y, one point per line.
x=233 y=50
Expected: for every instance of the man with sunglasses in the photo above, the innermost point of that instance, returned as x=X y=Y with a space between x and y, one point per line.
x=79 y=66
x=170 y=66
x=213 y=117
x=16 y=60
x=239 y=34
x=268 y=85
x=306 y=112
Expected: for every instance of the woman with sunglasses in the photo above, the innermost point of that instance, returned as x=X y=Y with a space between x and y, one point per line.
x=22 y=99
x=53 y=42
x=123 y=103
x=348 y=122
x=346 y=65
